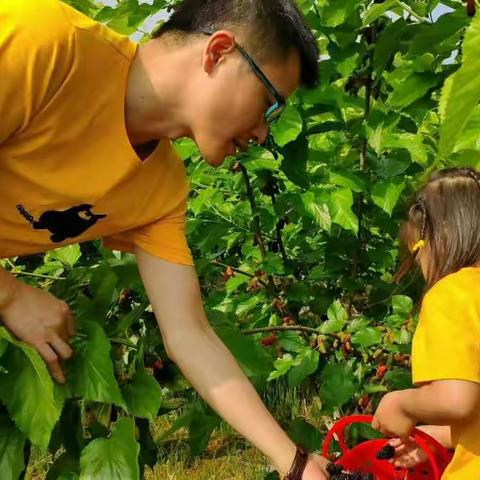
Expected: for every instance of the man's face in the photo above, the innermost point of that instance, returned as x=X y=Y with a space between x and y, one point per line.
x=229 y=102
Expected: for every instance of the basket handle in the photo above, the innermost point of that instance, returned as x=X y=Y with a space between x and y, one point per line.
x=424 y=441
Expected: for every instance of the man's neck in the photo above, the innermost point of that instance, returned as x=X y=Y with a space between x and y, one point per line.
x=154 y=102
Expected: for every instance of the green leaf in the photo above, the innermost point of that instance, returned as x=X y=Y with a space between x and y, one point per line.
x=356 y=324
x=282 y=366
x=335 y=12
x=91 y=370
x=131 y=317
x=318 y=211
x=376 y=10
x=337 y=318
x=114 y=457
x=247 y=305
x=347 y=179
x=461 y=92
x=258 y=158
x=308 y=365
x=366 y=337
x=294 y=164
x=469 y=140
x=3 y=346
x=12 y=441
x=65 y=467
x=252 y=358
x=87 y=7
x=340 y=205
x=338 y=385
x=291 y=342
x=395 y=321
x=186 y=148
x=68 y=255
x=402 y=304
x=199 y=431
x=288 y=127
x=28 y=392
x=234 y=282
x=142 y=395
x=398 y=379
x=387 y=44
x=305 y=434
x=102 y=285
x=411 y=89
x=409 y=141
x=386 y=194
x=430 y=36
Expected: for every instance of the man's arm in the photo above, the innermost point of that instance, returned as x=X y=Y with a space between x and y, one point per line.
x=208 y=365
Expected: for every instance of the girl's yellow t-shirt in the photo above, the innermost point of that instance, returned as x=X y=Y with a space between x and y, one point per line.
x=68 y=172
x=446 y=346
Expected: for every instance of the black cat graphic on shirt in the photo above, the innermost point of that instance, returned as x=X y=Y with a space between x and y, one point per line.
x=63 y=224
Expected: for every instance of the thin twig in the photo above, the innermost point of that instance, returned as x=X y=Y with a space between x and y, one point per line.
x=281 y=328
x=256 y=219
x=278 y=231
x=37 y=275
x=115 y=340
x=411 y=12
x=242 y=272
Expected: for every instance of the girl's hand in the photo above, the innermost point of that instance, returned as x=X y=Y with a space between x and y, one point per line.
x=407 y=453
x=391 y=418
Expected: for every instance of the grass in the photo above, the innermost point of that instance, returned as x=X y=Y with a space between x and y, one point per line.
x=227 y=457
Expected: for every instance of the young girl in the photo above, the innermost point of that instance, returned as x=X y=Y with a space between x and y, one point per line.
x=443 y=234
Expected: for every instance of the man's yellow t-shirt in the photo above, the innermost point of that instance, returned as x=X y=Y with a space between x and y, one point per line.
x=68 y=172
x=446 y=346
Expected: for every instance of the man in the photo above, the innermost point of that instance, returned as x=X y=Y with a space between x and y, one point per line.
x=86 y=118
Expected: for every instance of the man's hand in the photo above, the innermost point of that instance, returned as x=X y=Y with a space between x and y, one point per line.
x=391 y=417
x=316 y=468
x=41 y=320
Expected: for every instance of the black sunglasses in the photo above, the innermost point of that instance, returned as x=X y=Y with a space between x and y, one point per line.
x=274 y=111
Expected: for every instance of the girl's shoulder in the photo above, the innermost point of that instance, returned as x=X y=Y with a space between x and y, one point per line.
x=458 y=290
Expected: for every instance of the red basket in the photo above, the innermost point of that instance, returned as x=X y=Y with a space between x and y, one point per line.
x=363 y=457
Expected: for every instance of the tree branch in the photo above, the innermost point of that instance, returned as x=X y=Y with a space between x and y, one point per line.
x=253 y=206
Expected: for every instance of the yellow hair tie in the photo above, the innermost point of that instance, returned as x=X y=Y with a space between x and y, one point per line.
x=420 y=244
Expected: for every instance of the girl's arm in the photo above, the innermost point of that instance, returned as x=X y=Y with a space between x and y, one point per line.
x=441 y=433
x=442 y=402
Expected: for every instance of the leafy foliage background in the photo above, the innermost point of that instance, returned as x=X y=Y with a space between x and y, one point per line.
x=295 y=246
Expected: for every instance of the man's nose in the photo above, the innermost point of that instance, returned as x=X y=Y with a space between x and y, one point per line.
x=260 y=133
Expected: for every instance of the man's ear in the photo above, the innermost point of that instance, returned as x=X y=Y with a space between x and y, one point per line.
x=219 y=45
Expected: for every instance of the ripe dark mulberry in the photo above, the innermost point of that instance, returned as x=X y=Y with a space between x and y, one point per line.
x=334 y=468
x=386 y=453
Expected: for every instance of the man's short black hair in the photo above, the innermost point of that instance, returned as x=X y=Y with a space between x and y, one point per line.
x=272 y=28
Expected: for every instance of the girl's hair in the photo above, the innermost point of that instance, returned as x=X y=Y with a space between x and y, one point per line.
x=446 y=215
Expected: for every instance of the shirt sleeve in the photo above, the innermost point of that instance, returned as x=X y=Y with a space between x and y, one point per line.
x=446 y=344
x=164 y=238
x=35 y=54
